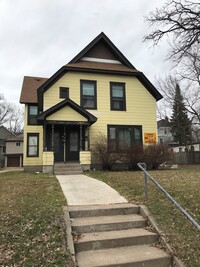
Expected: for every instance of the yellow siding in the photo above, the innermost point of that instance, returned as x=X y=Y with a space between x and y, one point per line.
x=140 y=109
x=48 y=158
x=140 y=104
x=66 y=114
x=32 y=161
x=85 y=157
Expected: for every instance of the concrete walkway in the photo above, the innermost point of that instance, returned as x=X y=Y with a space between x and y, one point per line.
x=83 y=190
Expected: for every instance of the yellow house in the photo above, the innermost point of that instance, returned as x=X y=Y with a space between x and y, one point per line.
x=98 y=91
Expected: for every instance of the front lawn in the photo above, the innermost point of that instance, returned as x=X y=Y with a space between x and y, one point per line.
x=184 y=185
x=32 y=230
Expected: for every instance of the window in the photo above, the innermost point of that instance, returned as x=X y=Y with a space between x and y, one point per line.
x=32 y=145
x=18 y=144
x=88 y=94
x=64 y=92
x=117 y=96
x=122 y=136
x=32 y=114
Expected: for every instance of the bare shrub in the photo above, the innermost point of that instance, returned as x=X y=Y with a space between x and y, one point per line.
x=101 y=154
x=133 y=155
x=154 y=155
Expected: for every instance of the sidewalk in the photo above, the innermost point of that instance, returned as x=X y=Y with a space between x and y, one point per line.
x=11 y=169
x=83 y=190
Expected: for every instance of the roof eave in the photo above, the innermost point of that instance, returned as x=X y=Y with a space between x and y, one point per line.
x=67 y=102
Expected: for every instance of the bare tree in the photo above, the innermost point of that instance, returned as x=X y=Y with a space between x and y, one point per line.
x=11 y=115
x=5 y=110
x=16 y=120
x=188 y=76
x=179 y=21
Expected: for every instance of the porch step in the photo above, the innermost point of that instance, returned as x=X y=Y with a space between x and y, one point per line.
x=114 y=236
x=68 y=168
x=131 y=256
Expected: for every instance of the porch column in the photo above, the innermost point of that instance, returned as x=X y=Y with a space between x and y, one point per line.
x=64 y=143
x=81 y=138
x=52 y=137
x=89 y=138
x=44 y=137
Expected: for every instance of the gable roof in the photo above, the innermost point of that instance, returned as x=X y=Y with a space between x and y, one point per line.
x=67 y=102
x=112 y=50
x=99 y=56
x=5 y=133
x=163 y=123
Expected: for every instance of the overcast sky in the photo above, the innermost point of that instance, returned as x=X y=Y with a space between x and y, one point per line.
x=38 y=37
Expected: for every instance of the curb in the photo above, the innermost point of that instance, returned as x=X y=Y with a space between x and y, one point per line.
x=70 y=241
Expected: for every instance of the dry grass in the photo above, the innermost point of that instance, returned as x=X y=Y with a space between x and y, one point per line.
x=183 y=184
x=32 y=230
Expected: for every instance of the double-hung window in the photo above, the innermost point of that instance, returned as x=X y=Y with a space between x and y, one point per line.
x=32 y=114
x=117 y=96
x=32 y=144
x=123 y=136
x=88 y=94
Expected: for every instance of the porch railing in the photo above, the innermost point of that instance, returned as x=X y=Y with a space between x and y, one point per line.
x=142 y=166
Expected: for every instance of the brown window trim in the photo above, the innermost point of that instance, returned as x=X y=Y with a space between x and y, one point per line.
x=95 y=93
x=31 y=116
x=27 y=152
x=64 y=92
x=123 y=99
x=117 y=127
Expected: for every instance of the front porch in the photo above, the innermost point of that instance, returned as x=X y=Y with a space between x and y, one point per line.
x=66 y=135
x=64 y=145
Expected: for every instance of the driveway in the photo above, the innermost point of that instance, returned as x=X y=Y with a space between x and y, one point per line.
x=83 y=190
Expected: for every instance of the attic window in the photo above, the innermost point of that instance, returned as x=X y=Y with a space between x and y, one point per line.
x=64 y=92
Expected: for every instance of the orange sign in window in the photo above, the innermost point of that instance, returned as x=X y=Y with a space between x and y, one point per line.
x=149 y=138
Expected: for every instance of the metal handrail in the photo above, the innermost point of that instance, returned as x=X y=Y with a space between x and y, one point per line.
x=142 y=166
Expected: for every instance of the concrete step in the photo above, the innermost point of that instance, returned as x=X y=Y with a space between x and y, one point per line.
x=113 y=239
x=102 y=210
x=64 y=172
x=67 y=168
x=107 y=223
x=131 y=256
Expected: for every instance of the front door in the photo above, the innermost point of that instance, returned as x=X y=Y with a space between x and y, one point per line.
x=72 y=144
x=58 y=144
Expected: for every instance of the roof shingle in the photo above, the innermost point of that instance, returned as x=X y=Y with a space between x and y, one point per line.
x=29 y=89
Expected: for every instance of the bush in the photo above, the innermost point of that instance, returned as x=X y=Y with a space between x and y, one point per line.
x=133 y=155
x=101 y=154
x=154 y=155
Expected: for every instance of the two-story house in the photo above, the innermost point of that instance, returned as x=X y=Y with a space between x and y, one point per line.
x=14 y=151
x=98 y=91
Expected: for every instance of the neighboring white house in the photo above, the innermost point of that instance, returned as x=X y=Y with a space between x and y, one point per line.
x=164 y=131
x=176 y=149
x=14 y=151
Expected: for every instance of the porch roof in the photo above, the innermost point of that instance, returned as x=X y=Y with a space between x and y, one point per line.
x=67 y=102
